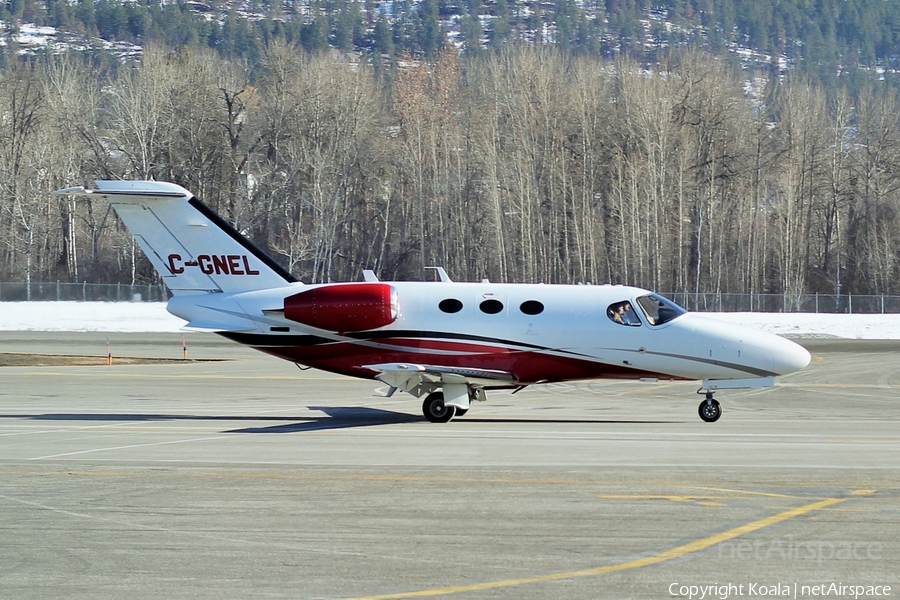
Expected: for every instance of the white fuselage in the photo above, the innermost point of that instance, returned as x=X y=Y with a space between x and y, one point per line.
x=573 y=336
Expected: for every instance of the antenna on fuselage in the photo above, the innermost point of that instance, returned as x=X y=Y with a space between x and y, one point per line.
x=442 y=274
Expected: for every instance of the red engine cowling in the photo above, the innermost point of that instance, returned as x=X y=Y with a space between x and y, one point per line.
x=344 y=307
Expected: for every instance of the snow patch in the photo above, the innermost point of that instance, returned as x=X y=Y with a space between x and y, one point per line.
x=109 y=317
x=152 y=317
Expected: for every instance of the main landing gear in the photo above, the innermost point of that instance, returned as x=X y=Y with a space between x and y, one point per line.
x=710 y=410
x=436 y=411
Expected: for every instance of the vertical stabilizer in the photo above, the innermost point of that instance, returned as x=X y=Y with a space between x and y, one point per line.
x=191 y=247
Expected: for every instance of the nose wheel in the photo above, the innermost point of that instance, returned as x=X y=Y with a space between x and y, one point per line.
x=710 y=410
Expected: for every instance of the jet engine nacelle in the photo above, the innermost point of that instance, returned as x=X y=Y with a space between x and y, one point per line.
x=344 y=307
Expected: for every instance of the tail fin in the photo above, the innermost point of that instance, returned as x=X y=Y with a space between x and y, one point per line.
x=190 y=246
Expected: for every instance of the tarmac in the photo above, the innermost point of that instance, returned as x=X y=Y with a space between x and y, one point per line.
x=251 y=478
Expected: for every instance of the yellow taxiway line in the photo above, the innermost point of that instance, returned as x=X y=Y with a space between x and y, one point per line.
x=666 y=555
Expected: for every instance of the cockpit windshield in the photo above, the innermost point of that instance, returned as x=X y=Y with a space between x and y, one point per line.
x=658 y=309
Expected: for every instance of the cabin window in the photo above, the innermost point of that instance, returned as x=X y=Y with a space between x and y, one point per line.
x=659 y=310
x=622 y=313
x=531 y=307
x=450 y=305
x=491 y=307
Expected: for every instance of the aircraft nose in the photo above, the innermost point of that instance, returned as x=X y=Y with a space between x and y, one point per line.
x=789 y=357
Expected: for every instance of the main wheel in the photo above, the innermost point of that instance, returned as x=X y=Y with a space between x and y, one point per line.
x=710 y=410
x=435 y=410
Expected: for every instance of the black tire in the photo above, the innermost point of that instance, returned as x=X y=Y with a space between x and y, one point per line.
x=710 y=410
x=435 y=410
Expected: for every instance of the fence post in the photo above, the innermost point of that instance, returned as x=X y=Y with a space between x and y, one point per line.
x=850 y=303
x=84 y=291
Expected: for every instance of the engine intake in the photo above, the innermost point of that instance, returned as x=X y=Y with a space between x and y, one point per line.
x=344 y=307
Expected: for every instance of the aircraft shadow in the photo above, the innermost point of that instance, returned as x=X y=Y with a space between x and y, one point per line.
x=137 y=417
x=573 y=421
x=335 y=417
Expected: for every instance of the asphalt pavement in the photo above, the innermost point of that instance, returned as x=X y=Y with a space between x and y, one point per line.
x=251 y=478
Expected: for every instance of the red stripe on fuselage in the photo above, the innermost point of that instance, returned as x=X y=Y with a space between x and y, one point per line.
x=528 y=367
x=442 y=345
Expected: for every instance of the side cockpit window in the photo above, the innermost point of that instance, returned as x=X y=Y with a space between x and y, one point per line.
x=659 y=310
x=622 y=313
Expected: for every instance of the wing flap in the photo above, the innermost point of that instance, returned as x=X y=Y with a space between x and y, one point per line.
x=419 y=379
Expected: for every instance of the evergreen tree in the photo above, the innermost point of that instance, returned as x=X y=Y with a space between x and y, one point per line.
x=343 y=28
x=314 y=36
x=565 y=23
x=535 y=23
x=431 y=38
x=501 y=30
x=471 y=29
x=15 y=9
x=85 y=13
x=588 y=41
x=404 y=28
x=383 y=41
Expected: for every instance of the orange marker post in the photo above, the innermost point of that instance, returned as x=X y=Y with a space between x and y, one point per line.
x=108 y=353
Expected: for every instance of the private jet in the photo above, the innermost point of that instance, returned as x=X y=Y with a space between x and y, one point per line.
x=444 y=342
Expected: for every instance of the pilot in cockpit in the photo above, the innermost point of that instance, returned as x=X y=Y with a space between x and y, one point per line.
x=623 y=314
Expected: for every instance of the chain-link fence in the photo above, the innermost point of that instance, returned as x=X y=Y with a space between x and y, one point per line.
x=82 y=292
x=707 y=302
x=774 y=303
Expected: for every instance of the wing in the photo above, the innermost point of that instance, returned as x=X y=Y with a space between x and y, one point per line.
x=420 y=379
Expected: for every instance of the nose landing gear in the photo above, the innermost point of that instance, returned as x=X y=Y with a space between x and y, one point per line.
x=710 y=410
